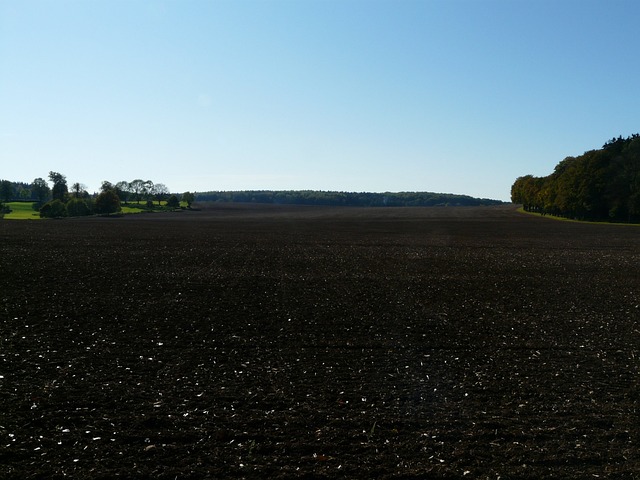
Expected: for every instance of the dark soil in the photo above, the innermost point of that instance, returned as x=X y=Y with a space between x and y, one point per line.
x=286 y=342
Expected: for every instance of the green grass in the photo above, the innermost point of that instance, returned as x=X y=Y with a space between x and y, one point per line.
x=564 y=219
x=22 y=211
x=25 y=211
x=130 y=209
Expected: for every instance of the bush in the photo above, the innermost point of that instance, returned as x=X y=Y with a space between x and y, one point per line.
x=107 y=202
x=53 y=209
x=77 y=207
x=173 y=202
x=189 y=198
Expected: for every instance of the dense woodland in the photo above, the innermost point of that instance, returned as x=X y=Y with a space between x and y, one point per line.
x=364 y=199
x=599 y=185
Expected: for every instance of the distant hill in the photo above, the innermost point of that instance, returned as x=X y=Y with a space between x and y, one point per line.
x=363 y=199
x=600 y=185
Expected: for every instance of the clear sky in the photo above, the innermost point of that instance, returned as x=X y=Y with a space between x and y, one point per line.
x=454 y=96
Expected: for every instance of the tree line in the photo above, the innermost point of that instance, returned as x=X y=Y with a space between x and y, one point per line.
x=599 y=185
x=60 y=200
x=362 y=199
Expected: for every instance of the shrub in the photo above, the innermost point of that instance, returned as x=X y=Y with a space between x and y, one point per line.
x=53 y=209
x=107 y=202
x=189 y=198
x=77 y=207
x=173 y=202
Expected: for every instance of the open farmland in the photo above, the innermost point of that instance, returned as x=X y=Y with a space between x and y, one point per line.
x=281 y=342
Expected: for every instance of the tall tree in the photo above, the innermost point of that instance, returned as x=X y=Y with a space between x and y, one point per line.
x=78 y=189
x=59 y=190
x=147 y=190
x=136 y=187
x=106 y=185
x=6 y=190
x=40 y=189
x=122 y=190
x=160 y=192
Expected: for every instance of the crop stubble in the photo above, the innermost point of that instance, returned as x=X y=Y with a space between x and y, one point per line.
x=252 y=342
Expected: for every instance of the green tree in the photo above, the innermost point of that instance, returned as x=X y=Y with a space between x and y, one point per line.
x=147 y=190
x=160 y=192
x=598 y=185
x=53 y=209
x=106 y=185
x=173 y=202
x=40 y=189
x=107 y=202
x=122 y=190
x=24 y=193
x=59 y=190
x=77 y=207
x=78 y=189
x=189 y=198
x=136 y=187
x=6 y=190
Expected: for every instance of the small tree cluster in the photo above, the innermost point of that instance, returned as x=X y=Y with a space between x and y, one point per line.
x=39 y=190
x=140 y=190
x=60 y=201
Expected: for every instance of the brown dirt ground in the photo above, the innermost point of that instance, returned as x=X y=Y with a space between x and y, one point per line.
x=246 y=341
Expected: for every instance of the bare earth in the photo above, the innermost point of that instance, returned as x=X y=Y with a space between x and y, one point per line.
x=245 y=341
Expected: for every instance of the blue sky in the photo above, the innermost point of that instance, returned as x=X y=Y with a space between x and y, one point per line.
x=455 y=96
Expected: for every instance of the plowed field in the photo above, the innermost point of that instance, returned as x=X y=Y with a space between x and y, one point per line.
x=246 y=341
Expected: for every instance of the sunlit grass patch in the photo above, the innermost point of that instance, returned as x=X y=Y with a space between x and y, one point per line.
x=565 y=219
x=25 y=211
x=22 y=211
x=130 y=209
